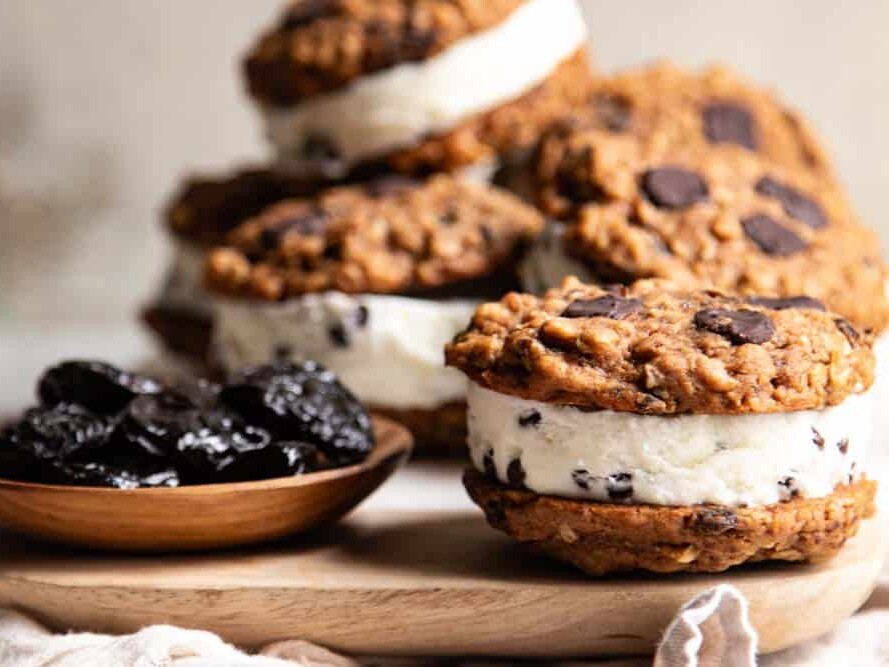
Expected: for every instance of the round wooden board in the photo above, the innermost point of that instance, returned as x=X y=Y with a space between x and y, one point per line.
x=418 y=583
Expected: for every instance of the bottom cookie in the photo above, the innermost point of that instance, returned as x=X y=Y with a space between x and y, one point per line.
x=182 y=332
x=438 y=432
x=602 y=538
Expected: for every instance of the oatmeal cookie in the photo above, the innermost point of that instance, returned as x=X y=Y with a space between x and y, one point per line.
x=656 y=349
x=602 y=538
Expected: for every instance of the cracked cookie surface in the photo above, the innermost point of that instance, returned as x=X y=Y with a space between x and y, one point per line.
x=654 y=348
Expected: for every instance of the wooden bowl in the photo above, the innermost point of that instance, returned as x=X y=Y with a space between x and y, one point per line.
x=200 y=517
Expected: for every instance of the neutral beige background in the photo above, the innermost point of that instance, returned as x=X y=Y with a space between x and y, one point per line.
x=104 y=104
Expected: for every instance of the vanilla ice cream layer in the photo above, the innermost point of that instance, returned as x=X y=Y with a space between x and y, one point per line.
x=184 y=283
x=386 y=349
x=731 y=460
x=546 y=263
x=396 y=107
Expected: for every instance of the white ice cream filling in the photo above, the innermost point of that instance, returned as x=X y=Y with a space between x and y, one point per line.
x=730 y=460
x=184 y=284
x=386 y=349
x=396 y=107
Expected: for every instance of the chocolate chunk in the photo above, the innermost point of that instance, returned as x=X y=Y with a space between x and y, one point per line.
x=611 y=306
x=338 y=335
x=619 y=486
x=673 y=187
x=362 y=316
x=612 y=111
x=713 y=521
x=772 y=237
x=787 y=488
x=490 y=467
x=515 y=474
x=785 y=303
x=817 y=438
x=531 y=418
x=304 y=12
x=310 y=222
x=843 y=446
x=320 y=148
x=389 y=186
x=738 y=326
x=850 y=332
x=729 y=123
x=795 y=203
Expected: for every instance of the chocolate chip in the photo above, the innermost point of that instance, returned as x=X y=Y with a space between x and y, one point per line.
x=318 y=147
x=713 y=521
x=738 y=326
x=612 y=111
x=389 y=186
x=673 y=187
x=850 y=332
x=772 y=237
x=490 y=467
x=309 y=222
x=795 y=203
x=817 y=438
x=619 y=486
x=843 y=446
x=787 y=488
x=785 y=303
x=531 y=418
x=729 y=123
x=305 y=11
x=338 y=335
x=582 y=478
x=283 y=351
x=610 y=305
x=515 y=474
x=362 y=316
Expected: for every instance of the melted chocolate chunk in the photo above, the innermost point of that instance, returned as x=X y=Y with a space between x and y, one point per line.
x=515 y=474
x=674 y=187
x=795 y=203
x=785 y=303
x=738 y=326
x=309 y=222
x=772 y=237
x=730 y=123
x=611 y=306
x=843 y=446
x=713 y=521
x=850 y=332
x=532 y=418
x=817 y=438
x=582 y=478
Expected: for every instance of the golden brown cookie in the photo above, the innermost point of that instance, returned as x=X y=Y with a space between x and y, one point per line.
x=668 y=109
x=392 y=235
x=656 y=349
x=603 y=538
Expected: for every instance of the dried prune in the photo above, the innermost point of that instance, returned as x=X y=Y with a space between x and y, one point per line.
x=93 y=384
x=304 y=402
x=212 y=453
x=151 y=424
x=119 y=477
x=59 y=432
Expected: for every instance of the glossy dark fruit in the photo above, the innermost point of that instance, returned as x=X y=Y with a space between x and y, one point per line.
x=93 y=384
x=152 y=424
x=303 y=402
x=118 y=477
x=213 y=453
x=60 y=432
x=202 y=393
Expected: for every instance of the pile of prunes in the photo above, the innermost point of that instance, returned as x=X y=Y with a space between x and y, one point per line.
x=97 y=425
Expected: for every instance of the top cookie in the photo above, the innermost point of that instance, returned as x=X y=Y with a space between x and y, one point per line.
x=321 y=45
x=206 y=208
x=734 y=221
x=392 y=235
x=655 y=349
x=669 y=109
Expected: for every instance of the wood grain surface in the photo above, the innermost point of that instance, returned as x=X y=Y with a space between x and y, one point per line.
x=200 y=517
x=418 y=583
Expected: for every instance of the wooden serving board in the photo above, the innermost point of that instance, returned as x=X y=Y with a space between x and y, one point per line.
x=418 y=583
